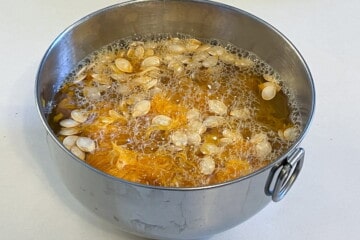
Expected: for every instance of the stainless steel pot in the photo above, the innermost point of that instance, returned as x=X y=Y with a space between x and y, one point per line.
x=175 y=213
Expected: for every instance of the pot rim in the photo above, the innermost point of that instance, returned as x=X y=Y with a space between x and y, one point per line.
x=50 y=132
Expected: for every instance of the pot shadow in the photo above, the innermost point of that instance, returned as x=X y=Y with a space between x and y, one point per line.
x=37 y=158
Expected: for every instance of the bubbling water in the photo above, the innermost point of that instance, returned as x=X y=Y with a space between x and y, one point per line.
x=176 y=111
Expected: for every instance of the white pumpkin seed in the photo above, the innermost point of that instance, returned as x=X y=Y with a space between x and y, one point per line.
x=152 y=83
x=225 y=141
x=243 y=113
x=203 y=47
x=179 y=139
x=263 y=149
x=77 y=152
x=207 y=165
x=79 y=115
x=69 y=131
x=210 y=61
x=141 y=80
x=291 y=133
x=176 y=48
x=192 y=44
x=68 y=123
x=70 y=141
x=176 y=66
x=81 y=71
x=227 y=58
x=227 y=133
x=244 y=63
x=149 y=52
x=270 y=78
x=92 y=93
x=123 y=89
x=213 y=121
x=117 y=116
x=120 y=77
x=85 y=144
x=199 y=57
x=161 y=120
x=123 y=65
x=216 y=51
x=196 y=126
x=101 y=78
x=151 y=71
x=262 y=146
x=153 y=61
x=217 y=107
x=268 y=92
x=209 y=149
x=194 y=138
x=139 y=52
x=193 y=114
x=141 y=108
x=79 y=78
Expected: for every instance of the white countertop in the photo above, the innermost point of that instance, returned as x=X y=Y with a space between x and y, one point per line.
x=322 y=204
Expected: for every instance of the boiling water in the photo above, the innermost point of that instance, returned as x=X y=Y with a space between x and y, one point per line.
x=212 y=122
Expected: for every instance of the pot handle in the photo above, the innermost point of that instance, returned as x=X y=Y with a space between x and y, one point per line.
x=283 y=176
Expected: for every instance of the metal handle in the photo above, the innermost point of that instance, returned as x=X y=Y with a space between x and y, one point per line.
x=282 y=177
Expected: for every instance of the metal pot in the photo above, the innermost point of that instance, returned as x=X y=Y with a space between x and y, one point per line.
x=175 y=213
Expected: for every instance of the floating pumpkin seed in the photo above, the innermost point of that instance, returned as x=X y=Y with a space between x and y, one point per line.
x=210 y=61
x=207 y=165
x=70 y=141
x=216 y=51
x=227 y=58
x=139 y=52
x=194 y=138
x=217 y=107
x=225 y=141
x=153 y=61
x=203 y=47
x=289 y=134
x=243 y=113
x=213 y=121
x=141 y=108
x=192 y=44
x=268 y=92
x=120 y=77
x=196 y=126
x=209 y=149
x=200 y=56
x=193 y=114
x=270 y=78
x=262 y=145
x=244 y=63
x=79 y=115
x=101 y=78
x=69 y=131
x=161 y=120
x=123 y=65
x=79 y=78
x=85 y=144
x=176 y=48
x=77 y=152
x=179 y=139
x=68 y=123
x=92 y=93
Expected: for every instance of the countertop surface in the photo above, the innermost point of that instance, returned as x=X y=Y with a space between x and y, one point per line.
x=322 y=204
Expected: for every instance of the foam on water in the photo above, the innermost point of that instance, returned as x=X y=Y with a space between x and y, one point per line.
x=236 y=87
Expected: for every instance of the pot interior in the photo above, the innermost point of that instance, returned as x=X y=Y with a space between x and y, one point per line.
x=200 y=19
